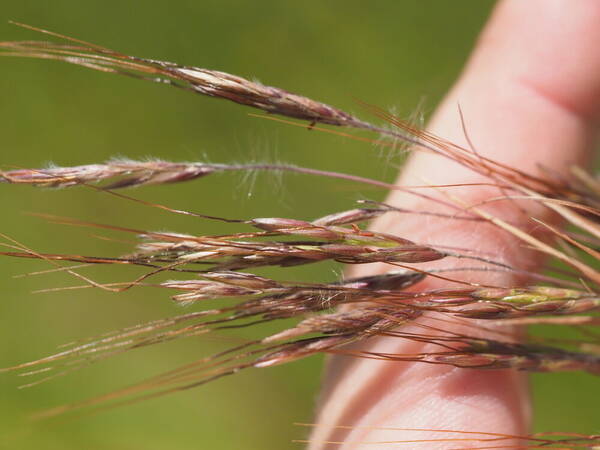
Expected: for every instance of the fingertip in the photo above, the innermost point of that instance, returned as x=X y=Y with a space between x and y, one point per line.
x=551 y=45
x=530 y=92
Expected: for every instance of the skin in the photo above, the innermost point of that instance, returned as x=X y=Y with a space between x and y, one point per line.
x=530 y=95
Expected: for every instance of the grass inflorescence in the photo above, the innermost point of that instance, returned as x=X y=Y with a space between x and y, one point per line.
x=213 y=267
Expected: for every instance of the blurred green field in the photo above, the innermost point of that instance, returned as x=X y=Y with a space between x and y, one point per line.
x=396 y=54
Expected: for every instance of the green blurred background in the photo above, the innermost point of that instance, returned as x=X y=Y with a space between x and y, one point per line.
x=395 y=54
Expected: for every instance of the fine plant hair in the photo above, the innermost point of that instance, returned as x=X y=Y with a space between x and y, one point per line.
x=207 y=268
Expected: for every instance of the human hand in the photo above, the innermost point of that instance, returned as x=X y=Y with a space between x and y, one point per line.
x=530 y=95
